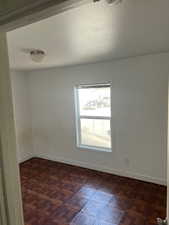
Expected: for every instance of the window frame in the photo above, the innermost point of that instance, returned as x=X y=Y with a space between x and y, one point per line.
x=78 y=117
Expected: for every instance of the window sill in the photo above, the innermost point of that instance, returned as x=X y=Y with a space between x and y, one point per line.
x=84 y=147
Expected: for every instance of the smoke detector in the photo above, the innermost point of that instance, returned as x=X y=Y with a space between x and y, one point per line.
x=37 y=55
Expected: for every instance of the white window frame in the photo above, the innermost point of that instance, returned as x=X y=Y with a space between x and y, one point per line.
x=79 y=117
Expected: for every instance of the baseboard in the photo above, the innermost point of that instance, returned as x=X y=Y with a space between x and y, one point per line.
x=26 y=157
x=107 y=170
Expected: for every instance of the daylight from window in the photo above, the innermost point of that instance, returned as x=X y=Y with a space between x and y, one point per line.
x=94 y=115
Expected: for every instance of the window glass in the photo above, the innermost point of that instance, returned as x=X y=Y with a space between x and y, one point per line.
x=95 y=133
x=93 y=116
x=94 y=101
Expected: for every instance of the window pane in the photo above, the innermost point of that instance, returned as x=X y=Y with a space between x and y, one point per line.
x=94 y=101
x=95 y=132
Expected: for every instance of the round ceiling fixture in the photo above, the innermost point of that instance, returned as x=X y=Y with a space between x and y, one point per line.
x=37 y=55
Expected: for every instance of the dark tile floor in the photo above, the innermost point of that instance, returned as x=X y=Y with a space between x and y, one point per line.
x=59 y=194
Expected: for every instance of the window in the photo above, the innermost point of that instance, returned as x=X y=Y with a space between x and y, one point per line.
x=93 y=116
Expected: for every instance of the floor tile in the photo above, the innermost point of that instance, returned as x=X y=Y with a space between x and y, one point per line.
x=59 y=194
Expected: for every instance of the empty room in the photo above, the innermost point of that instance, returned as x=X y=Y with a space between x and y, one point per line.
x=90 y=97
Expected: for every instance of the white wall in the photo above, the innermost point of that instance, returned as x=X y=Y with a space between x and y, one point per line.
x=139 y=115
x=168 y=160
x=22 y=113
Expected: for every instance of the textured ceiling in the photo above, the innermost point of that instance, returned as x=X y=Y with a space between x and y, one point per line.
x=93 y=32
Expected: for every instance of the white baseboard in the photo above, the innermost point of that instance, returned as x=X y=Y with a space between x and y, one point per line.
x=107 y=170
x=26 y=157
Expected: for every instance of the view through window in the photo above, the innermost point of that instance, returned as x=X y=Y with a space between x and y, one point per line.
x=93 y=116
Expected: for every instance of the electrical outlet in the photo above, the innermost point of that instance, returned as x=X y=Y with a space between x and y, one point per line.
x=127 y=162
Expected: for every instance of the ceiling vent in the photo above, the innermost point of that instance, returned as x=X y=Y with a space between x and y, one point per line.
x=110 y=1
